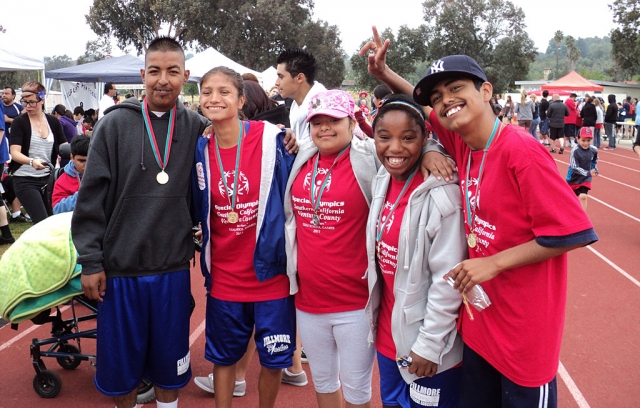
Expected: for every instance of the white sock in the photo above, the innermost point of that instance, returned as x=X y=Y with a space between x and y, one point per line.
x=15 y=214
x=173 y=404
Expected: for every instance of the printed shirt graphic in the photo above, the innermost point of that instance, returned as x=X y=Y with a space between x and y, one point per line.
x=332 y=257
x=232 y=245
x=387 y=257
x=521 y=332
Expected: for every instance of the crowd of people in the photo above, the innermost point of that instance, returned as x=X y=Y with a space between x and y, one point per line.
x=347 y=229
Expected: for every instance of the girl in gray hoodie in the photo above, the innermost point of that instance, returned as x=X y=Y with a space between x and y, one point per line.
x=414 y=237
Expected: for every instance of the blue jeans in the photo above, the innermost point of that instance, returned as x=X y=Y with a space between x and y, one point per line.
x=610 y=130
x=544 y=127
x=534 y=127
x=596 y=137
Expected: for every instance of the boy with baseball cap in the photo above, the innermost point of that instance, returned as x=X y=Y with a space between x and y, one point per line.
x=517 y=248
x=582 y=166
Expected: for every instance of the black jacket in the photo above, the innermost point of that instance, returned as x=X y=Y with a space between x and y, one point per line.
x=589 y=115
x=556 y=113
x=611 y=115
x=21 y=135
x=125 y=222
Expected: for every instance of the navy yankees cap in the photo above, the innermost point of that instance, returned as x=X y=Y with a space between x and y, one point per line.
x=444 y=68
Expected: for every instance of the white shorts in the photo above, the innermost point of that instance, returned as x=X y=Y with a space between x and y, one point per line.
x=337 y=348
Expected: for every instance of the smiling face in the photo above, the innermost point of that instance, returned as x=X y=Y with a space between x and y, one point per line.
x=219 y=99
x=585 y=142
x=330 y=134
x=399 y=142
x=458 y=104
x=163 y=77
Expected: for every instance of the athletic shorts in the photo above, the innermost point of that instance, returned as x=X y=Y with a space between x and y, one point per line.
x=483 y=386
x=441 y=390
x=581 y=190
x=230 y=325
x=143 y=331
x=556 y=133
x=570 y=130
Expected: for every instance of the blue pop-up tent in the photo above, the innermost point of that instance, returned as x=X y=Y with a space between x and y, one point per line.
x=119 y=70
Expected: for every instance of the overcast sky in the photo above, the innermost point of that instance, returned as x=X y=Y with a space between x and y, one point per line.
x=59 y=27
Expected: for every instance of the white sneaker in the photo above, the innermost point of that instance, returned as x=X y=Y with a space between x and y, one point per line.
x=206 y=383
x=299 y=380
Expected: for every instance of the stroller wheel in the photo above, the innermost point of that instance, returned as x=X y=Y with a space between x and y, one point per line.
x=48 y=384
x=146 y=392
x=68 y=363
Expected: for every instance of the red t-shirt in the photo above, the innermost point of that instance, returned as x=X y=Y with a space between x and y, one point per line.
x=387 y=257
x=232 y=245
x=332 y=257
x=521 y=332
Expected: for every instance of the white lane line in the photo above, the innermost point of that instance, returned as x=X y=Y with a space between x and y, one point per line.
x=24 y=333
x=196 y=333
x=573 y=388
x=619 y=182
x=622 y=155
x=614 y=266
x=615 y=209
x=617 y=165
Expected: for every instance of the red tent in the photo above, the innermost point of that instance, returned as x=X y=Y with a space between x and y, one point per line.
x=538 y=92
x=572 y=82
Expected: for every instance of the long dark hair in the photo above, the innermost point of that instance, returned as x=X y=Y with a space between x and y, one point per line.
x=256 y=101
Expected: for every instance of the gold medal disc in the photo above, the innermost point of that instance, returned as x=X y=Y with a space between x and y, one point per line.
x=232 y=217
x=472 y=240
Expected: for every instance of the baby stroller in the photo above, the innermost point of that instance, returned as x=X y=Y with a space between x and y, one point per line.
x=28 y=297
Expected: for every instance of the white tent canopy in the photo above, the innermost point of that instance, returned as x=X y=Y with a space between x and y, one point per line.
x=269 y=77
x=211 y=58
x=11 y=61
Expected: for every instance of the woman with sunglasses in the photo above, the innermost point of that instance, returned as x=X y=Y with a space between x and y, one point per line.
x=35 y=139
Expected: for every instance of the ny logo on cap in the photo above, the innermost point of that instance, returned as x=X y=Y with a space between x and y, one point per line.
x=437 y=66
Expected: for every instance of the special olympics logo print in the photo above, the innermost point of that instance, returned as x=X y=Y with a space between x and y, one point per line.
x=473 y=182
x=319 y=180
x=243 y=184
x=387 y=226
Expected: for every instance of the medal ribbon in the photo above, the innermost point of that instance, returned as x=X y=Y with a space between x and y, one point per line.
x=152 y=136
x=466 y=182
x=234 y=194
x=315 y=201
x=380 y=224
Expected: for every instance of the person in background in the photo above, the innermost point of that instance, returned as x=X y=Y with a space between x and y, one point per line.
x=248 y=76
x=599 y=123
x=5 y=237
x=379 y=93
x=35 y=141
x=589 y=114
x=524 y=111
x=610 y=119
x=544 y=120
x=78 y=115
x=296 y=79
x=69 y=126
x=557 y=114
x=107 y=99
x=533 y=129
x=65 y=190
x=11 y=108
x=507 y=109
x=570 y=121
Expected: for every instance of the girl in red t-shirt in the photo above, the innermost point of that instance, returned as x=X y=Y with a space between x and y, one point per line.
x=326 y=206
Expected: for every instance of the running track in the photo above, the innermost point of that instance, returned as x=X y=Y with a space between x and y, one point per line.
x=600 y=353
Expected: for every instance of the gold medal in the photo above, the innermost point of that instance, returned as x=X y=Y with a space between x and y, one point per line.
x=162 y=177
x=232 y=217
x=472 y=240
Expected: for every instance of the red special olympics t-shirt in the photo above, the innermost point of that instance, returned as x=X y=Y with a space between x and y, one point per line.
x=233 y=276
x=332 y=257
x=387 y=257
x=520 y=333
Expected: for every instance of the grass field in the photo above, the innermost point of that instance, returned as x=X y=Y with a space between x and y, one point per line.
x=17 y=228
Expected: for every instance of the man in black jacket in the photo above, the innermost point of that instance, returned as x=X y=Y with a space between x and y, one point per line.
x=555 y=114
x=610 y=119
x=544 y=121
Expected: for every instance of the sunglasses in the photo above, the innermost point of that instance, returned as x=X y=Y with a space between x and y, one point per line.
x=28 y=103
